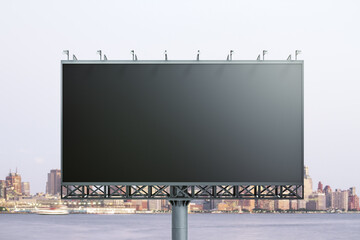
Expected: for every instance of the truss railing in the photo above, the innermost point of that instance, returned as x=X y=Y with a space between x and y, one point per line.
x=182 y=192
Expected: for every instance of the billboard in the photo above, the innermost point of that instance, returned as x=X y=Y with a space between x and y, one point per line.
x=182 y=122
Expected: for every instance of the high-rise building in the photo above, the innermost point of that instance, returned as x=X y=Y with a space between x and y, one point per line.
x=328 y=196
x=340 y=200
x=327 y=189
x=25 y=187
x=308 y=185
x=320 y=188
x=13 y=180
x=353 y=200
x=352 y=191
x=354 y=203
x=53 y=183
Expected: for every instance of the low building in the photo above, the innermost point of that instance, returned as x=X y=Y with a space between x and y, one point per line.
x=282 y=205
x=193 y=207
x=316 y=202
x=265 y=204
x=25 y=188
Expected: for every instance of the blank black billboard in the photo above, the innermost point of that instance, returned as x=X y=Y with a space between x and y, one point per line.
x=182 y=122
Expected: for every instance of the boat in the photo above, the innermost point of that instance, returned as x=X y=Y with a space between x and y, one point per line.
x=52 y=211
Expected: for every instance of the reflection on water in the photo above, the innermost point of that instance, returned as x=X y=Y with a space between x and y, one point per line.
x=201 y=226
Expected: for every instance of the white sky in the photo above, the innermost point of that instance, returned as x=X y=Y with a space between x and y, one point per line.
x=34 y=33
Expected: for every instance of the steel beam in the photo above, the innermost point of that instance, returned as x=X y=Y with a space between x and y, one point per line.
x=182 y=192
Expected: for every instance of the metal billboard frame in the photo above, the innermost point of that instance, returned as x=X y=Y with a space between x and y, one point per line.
x=66 y=193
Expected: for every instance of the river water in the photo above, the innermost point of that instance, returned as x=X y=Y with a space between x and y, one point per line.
x=201 y=226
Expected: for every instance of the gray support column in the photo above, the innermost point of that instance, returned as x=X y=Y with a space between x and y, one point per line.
x=179 y=219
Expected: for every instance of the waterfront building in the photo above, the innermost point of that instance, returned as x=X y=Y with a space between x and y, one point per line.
x=13 y=181
x=340 y=200
x=2 y=189
x=328 y=196
x=308 y=185
x=25 y=188
x=320 y=187
x=216 y=203
x=227 y=206
x=311 y=205
x=195 y=207
x=165 y=205
x=209 y=204
x=282 y=205
x=301 y=204
x=11 y=194
x=352 y=191
x=53 y=183
x=354 y=203
x=247 y=204
x=293 y=204
x=353 y=200
x=145 y=204
x=265 y=204
x=223 y=207
x=317 y=202
x=136 y=204
x=155 y=205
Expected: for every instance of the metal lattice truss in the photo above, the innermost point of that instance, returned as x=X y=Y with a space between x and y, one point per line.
x=181 y=192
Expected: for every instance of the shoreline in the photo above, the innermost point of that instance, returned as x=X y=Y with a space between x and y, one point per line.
x=215 y=212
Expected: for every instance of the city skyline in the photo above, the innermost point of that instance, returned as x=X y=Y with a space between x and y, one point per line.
x=16 y=192
x=53 y=169
x=54 y=179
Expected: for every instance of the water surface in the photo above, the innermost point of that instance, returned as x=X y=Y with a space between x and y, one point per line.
x=201 y=226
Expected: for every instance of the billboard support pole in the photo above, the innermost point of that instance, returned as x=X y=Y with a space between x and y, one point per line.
x=179 y=219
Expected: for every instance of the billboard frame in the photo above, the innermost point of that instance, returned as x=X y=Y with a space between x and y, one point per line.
x=259 y=188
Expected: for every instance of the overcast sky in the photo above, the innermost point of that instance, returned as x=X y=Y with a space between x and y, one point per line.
x=34 y=33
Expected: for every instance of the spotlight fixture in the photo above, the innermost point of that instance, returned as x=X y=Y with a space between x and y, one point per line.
x=67 y=53
x=100 y=53
x=229 y=56
x=264 y=53
x=134 y=57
